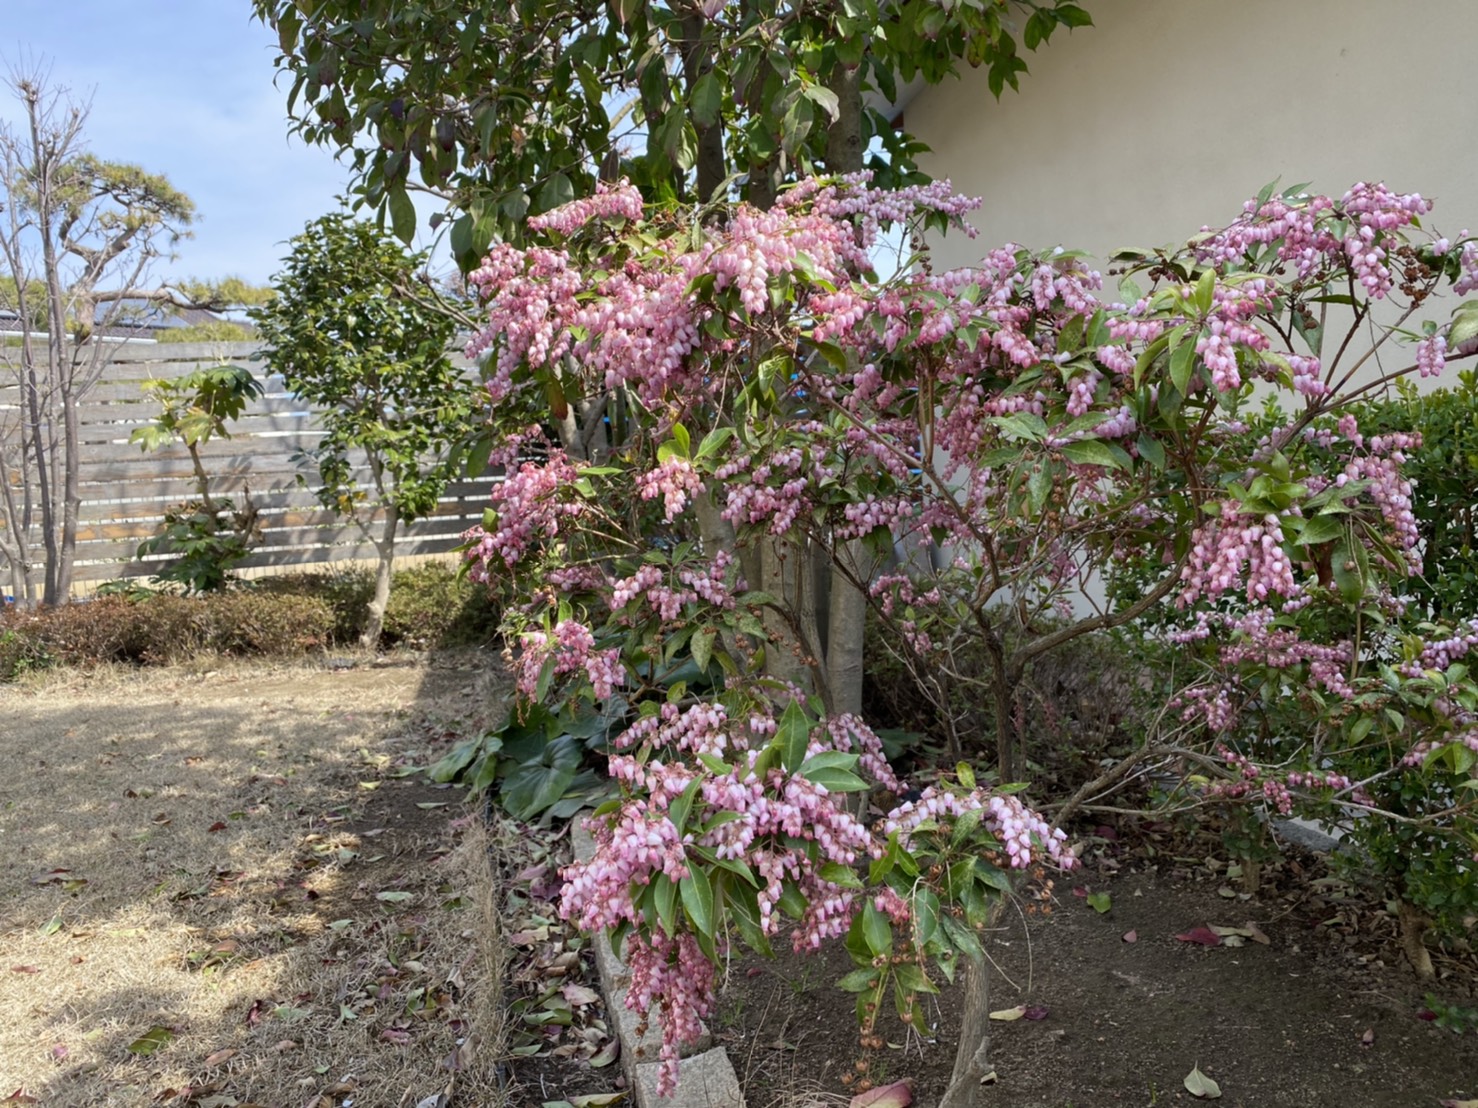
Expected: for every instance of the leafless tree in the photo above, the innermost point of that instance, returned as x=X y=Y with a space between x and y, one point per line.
x=78 y=238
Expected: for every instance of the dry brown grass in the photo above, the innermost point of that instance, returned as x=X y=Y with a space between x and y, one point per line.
x=204 y=852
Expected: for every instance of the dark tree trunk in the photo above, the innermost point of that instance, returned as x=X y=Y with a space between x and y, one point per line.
x=697 y=62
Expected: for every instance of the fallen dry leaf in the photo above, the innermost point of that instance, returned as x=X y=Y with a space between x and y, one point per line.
x=579 y=994
x=1199 y=1085
x=596 y=1100
x=215 y=1059
x=1368 y=1039
x=897 y=1095
x=1008 y=1014
x=1203 y=936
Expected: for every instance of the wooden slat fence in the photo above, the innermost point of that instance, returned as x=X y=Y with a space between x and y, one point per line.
x=126 y=491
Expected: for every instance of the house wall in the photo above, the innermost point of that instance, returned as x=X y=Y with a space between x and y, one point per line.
x=1169 y=114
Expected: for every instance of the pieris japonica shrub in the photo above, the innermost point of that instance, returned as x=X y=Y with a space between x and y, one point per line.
x=670 y=390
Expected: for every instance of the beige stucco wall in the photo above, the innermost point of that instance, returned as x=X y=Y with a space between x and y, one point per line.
x=1168 y=114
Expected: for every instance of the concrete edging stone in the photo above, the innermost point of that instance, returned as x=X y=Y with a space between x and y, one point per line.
x=706 y=1078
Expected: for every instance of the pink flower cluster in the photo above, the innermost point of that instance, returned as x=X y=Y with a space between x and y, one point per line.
x=675 y=480
x=1277 y=787
x=620 y=201
x=776 y=492
x=1023 y=834
x=572 y=646
x=530 y=503
x=1235 y=551
x=674 y=975
x=783 y=826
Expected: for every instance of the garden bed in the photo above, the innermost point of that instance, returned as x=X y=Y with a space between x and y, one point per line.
x=1323 y=1014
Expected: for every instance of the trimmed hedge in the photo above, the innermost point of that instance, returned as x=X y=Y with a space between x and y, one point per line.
x=161 y=628
x=430 y=607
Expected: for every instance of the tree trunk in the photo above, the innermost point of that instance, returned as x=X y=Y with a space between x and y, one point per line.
x=43 y=481
x=71 y=489
x=781 y=566
x=374 y=622
x=1413 y=927
x=846 y=627
x=697 y=63
x=58 y=366
x=972 y=1063
x=202 y=479
x=846 y=616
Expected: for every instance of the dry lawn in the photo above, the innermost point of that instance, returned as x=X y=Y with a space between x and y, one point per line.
x=222 y=888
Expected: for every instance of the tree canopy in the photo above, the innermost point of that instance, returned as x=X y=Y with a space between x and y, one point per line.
x=508 y=110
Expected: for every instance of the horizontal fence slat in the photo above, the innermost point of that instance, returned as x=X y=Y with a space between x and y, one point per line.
x=136 y=528
x=126 y=490
x=137 y=501
x=276 y=447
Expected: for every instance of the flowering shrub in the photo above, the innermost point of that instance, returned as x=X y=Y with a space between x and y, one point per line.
x=995 y=436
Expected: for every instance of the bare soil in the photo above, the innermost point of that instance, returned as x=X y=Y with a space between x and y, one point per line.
x=220 y=887
x=1323 y=1016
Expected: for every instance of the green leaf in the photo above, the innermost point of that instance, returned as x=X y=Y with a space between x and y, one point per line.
x=838 y=874
x=1038 y=488
x=151 y=1040
x=665 y=896
x=925 y=916
x=793 y=735
x=714 y=440
x=1071 y=15
x=1206 y=290
x=1199 y=1085
x=697 y=894
x=859 y=981
x=701 y=645
x=705 y=100
x=1100 y=902
x=1320 y=529
x=828 y=759
x=1182 y=362
x=530 y=789
x=962 y=937
x=1091 y=452
x=683 y=805
x=876 y=930
x=1022 y=425
x=1346 y=571
x=823 y=98
x=1151 y=451
x=1464 y=324
x=402 y=214
x=965 y=826
x=836 y=780
x=912 y=978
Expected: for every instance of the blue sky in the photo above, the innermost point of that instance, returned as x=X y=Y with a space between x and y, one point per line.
x=185 y=88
